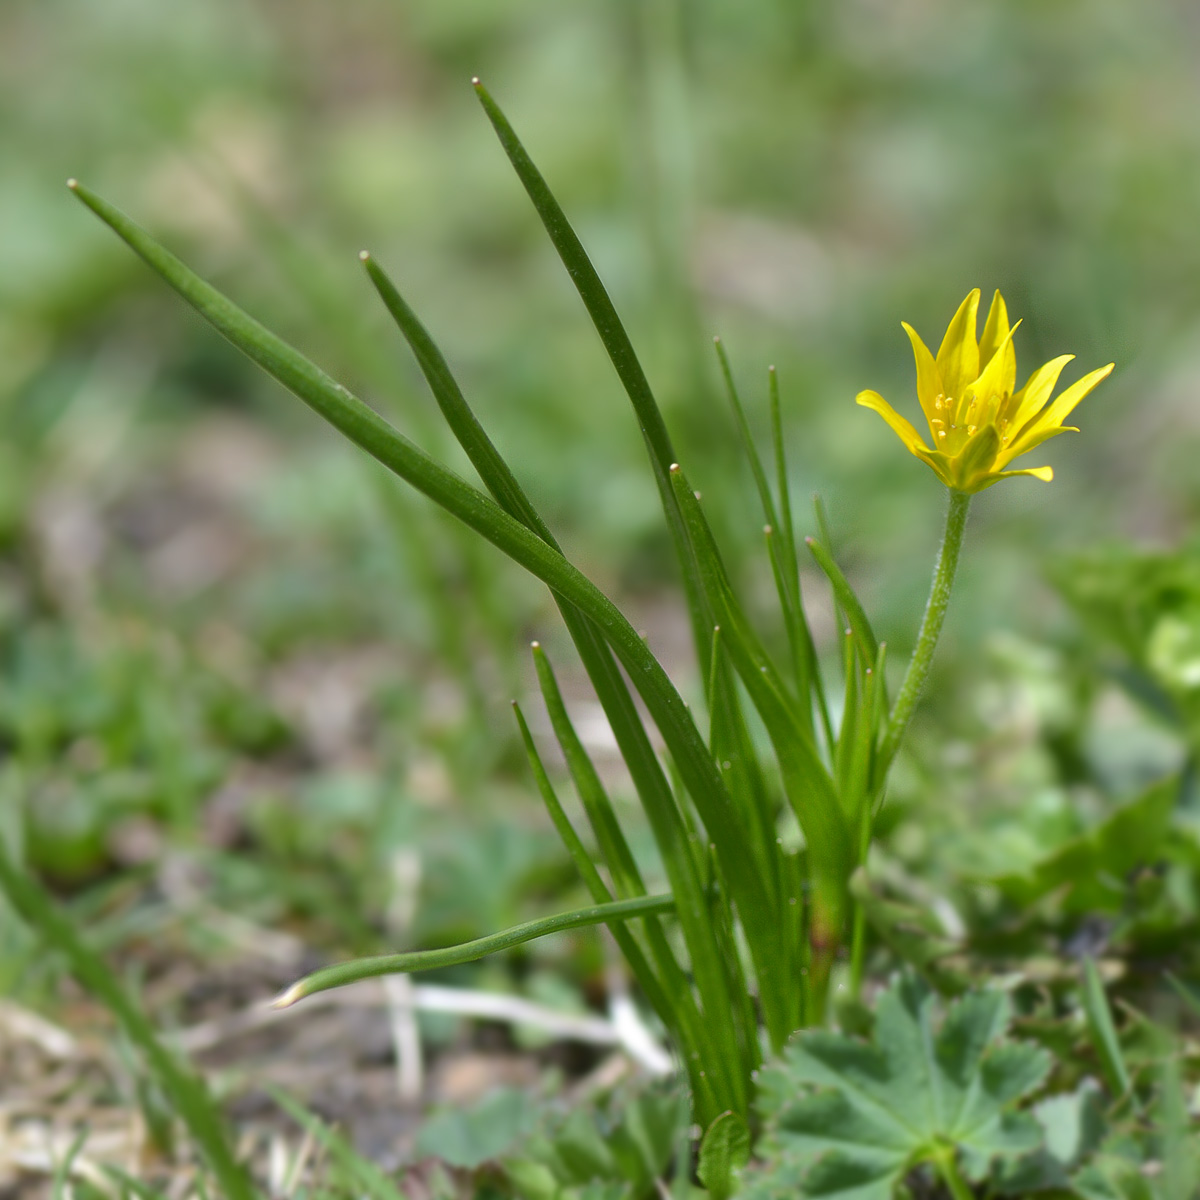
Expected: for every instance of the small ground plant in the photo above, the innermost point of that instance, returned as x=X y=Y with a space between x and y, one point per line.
x=738 y=953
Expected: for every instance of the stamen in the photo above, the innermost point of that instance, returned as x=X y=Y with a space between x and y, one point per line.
x=971 y=430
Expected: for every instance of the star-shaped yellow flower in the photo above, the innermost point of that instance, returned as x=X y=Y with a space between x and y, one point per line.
x=977 y=423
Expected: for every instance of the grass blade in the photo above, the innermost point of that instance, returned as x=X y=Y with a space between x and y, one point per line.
x=645 y=769
x=345 y=973
x=616 y=343
x=1103 y=1032
x=782 y=555
x=683 y=1014
x=186 y=1091
x=368 y=430
x=848 y=602
x=804 y=651
x=463 y=423
x=848 y=731
x=807 y=783
x=673 y=1001
x=366 y=1175
x=589 y=285
x=732 y=748
x=814 y=795
x=652 y=787
x=626 y=878
x=747 y=438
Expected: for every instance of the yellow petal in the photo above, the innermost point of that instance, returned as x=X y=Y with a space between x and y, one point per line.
x=995 y=382
x=1031 y=441
x=901 y=427
x=1029 y=400
x=1045 y=474
x=1063 y=405
x=995 y=330
x=958 y=355
x=929 y=378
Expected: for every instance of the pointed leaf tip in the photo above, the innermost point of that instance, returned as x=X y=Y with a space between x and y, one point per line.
x=475 y=81
x=73 y=183
x=674 y=468
x=364 y=256
x=287 y=998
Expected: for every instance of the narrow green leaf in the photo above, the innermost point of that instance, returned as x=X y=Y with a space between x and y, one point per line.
x=669 y=991
x=186 y=1091
x=503 y=485
x=616 y=343
x=734 y=752
x=781 y=471
x=747 y=438
x=632 y=740
x=848 y=731
x=60 y=1185
x=463 y=423
x=366 y=429
x=587 y=282
x=669 y=995
x=809 y=786
x=1185 y=993
x=783 y=560
x=603 y=820
x=366 y=1174
x=864 y=635
x=804 y=651
x=1103 y=1032
x=809 y=685
x=870 y=728
x=452 y=956
x=566 y=831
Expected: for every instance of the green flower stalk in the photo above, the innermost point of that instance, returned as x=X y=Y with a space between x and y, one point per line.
x=978 y=424
x=931 y=626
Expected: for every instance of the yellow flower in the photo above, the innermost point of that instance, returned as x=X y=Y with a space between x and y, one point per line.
x=977 y=423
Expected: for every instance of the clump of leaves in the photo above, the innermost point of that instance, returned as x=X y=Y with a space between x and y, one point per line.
x=850 y=1119
x=1146 y=606
x=592 y=1155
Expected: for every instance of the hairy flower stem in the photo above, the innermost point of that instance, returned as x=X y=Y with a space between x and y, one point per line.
x=931 y=627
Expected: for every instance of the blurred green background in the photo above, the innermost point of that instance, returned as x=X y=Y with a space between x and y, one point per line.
x=795 y=175
x=209 y=604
